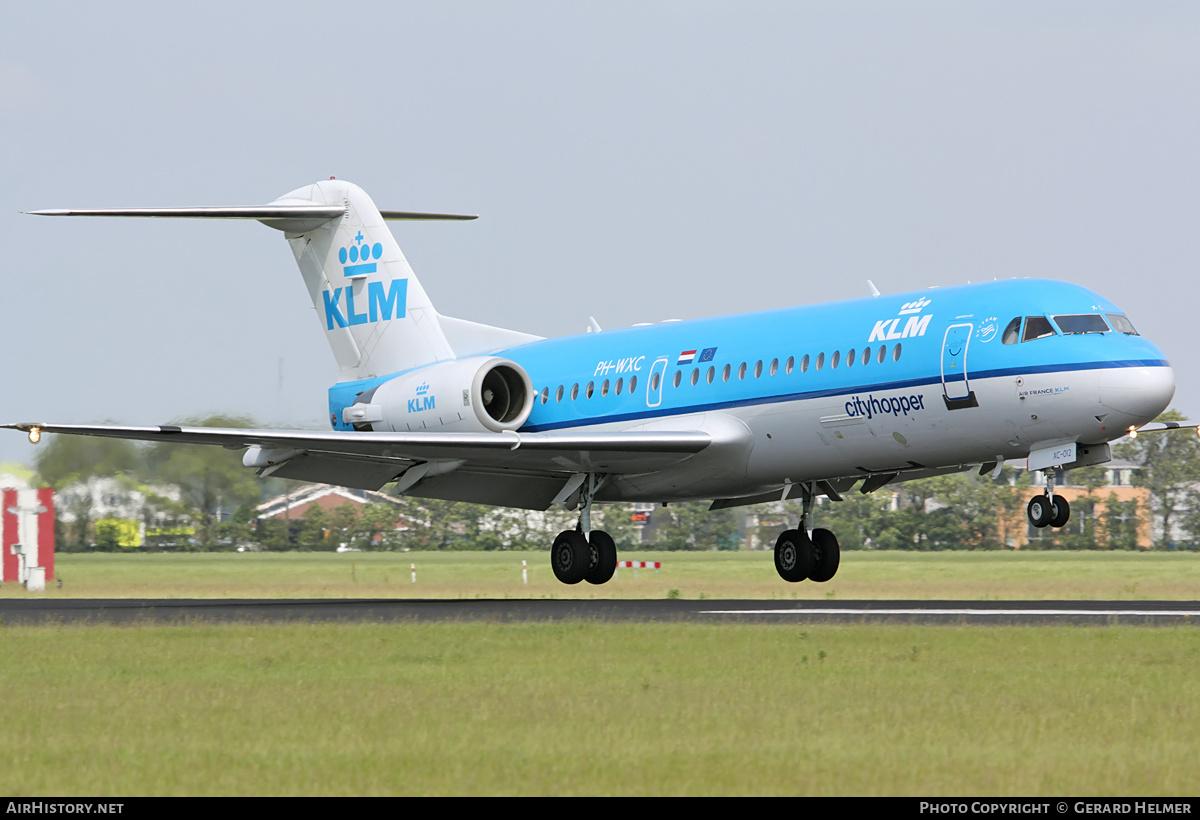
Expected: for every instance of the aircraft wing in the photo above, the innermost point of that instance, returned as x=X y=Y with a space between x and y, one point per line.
x=368 y=460
x=1162 y=426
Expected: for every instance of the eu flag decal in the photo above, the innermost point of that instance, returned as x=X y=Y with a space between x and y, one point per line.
x=708 y=354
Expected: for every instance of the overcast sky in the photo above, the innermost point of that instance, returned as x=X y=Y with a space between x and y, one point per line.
x=630 y=161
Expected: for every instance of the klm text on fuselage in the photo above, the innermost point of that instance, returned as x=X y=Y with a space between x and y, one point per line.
x=384 y=302
x=889 y=329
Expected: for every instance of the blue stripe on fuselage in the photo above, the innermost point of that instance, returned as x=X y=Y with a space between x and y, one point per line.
x=881 y=387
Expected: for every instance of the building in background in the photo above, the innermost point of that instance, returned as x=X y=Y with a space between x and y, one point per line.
x=114 y=512
x=293 y=507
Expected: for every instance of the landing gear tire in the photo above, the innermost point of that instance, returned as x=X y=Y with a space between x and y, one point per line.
x=1061 y=512
x=603 y=551
x=828 y=556
x=794 y=555
x=1040 y=511
x=571 y=557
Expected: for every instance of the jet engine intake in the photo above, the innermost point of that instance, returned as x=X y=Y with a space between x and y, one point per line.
x=480 y=394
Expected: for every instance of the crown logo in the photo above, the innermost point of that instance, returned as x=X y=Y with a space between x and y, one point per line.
x=422 y=389
x=915 y=307
x=359 y=257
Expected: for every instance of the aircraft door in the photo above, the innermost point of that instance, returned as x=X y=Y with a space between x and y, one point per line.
x=956 y=384
x=654 y=384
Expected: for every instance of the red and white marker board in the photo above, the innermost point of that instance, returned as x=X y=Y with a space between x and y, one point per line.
x=26 y=518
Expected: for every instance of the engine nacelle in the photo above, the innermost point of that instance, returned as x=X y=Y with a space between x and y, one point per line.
x=482 y=394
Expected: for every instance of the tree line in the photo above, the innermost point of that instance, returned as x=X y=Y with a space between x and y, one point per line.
x=212 y=504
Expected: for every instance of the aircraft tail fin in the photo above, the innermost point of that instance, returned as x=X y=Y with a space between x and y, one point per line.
x=376 y=316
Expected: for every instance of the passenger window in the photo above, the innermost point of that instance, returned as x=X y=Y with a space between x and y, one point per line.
x=851 y=357
x=1012 y=333
x=633 y=382
x=820 y=360
x=620 y=384
x=545 y=394
x=837 y=357
x=712 y=372
x=725 y=374
x=742 y=371
x=774 y=366
x=866 y=355
x=882 y=353
x=574 y=391
x=804 y=364
x=678 y=376
x=791 y=364
x=558 y=394
x=695 y=375
x=591 y=388
x=654 y=380
x=758 y=369
x=604 y=388
x=896 y=352
x=1037 y=327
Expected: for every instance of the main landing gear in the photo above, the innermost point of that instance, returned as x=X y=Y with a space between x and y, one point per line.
x=577 y=557
x=799 y=555
x=1048 y=509
x=584 y=554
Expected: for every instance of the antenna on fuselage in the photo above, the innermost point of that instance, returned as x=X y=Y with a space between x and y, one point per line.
x=874 y=290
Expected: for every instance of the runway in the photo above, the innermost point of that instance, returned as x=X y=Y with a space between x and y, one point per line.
x=27 y=611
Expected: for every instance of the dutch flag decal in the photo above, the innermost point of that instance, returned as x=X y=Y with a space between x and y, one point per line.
x=686 y=357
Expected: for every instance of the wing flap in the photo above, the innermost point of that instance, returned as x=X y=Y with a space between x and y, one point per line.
x=359 y=473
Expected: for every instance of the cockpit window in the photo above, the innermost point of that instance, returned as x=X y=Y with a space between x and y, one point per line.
x=1012 y=333
x=1121 y=324
x=1037 y=327
x=1081 y=323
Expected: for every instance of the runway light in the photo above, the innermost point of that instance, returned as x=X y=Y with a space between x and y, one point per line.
x=35 y=435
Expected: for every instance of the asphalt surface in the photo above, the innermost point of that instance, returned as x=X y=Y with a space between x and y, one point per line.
x=24 y=611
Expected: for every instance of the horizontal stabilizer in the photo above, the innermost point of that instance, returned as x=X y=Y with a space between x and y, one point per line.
x=259 y=212
x=416 y=215
x=286 y=216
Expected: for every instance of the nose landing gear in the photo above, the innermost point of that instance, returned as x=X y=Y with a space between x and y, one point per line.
x=1048 y=509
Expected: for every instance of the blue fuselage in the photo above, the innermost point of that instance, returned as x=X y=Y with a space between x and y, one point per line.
x=927 y=379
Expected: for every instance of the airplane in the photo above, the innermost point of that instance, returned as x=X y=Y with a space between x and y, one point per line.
x=790 y=402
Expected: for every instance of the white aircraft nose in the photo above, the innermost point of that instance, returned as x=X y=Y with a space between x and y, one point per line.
x=1138 y=392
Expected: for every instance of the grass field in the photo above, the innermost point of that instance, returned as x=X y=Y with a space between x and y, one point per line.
x=612 y=709
x=881 y=575
x=603 y=708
